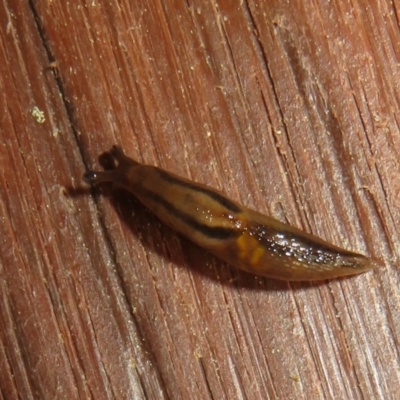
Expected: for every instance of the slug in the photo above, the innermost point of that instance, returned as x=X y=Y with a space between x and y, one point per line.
x=242 y=237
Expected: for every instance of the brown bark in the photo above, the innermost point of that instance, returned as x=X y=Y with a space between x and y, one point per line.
x=288 y=107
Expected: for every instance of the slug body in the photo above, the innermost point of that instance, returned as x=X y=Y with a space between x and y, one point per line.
x=243 y=238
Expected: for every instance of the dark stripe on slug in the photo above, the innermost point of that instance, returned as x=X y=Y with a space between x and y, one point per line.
x=219 y=198
x=208 y=231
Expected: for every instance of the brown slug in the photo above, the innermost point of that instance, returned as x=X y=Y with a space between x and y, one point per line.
x=243 y=238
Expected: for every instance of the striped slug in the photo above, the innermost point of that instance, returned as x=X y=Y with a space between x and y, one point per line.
x=243 y=238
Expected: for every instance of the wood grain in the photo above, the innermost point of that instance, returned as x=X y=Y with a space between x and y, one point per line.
x=288 y=107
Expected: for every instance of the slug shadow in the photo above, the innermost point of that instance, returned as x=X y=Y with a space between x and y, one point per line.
x=158 y=238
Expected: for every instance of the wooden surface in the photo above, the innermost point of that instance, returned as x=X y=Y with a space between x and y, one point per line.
x=290 y=108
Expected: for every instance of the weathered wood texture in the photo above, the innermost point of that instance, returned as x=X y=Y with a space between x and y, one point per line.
x=288 y=107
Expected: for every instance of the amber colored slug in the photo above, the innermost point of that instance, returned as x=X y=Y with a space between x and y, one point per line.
x=243 y=238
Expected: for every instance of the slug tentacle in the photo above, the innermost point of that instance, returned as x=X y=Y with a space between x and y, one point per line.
x=244 y=238
x=94 y=178
x=116 y=175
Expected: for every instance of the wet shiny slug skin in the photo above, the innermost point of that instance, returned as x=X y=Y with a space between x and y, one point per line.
x=244 y=238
